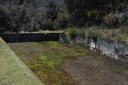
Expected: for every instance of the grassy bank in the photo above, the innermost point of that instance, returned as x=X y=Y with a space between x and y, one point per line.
x=120 y=35
x=13 y=70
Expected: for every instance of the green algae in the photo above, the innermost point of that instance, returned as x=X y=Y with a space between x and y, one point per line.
x=53 y=43
x=46 y=58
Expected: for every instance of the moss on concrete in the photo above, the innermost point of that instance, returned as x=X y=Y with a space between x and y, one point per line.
x=61 y=64
x=45 y=59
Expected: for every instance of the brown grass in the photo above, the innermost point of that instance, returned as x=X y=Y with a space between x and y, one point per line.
x=120 y=35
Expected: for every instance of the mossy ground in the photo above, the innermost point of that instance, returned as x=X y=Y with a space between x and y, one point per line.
x=56 y=63
x=46 y=58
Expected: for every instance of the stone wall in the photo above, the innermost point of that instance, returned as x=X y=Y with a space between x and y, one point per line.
x=113 y=49
x=33 y=37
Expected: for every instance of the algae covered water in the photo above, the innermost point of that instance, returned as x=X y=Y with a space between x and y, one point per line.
x=56 y=63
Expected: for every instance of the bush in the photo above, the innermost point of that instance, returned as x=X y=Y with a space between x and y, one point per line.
x=71 y=33
x=111 y=20
x=120 y=35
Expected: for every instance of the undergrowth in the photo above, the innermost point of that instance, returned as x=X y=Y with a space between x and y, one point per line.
x=112 y=34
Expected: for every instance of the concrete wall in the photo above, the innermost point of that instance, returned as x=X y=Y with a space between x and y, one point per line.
x=33 y=37
x=113 y=49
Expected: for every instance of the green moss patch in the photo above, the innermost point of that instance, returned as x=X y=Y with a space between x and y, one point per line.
x=45 y=59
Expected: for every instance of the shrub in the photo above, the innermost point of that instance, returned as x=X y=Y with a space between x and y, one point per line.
x=120 y=35
x=94 y=33
x=111 y=20
x=71 y=33
x=81 y=32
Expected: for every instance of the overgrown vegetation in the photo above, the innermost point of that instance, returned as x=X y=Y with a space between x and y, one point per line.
x=38 y=15
x=68 y=64
x=101 y=19
x=120 y=34
x=92 y=12
x=45 y=59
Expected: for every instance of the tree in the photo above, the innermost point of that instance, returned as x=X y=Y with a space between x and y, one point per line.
x=91 y=11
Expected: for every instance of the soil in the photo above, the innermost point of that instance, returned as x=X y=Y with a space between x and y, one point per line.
x=70 y=64
x=86 y=70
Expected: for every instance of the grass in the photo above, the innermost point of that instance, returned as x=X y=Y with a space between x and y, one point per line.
x=53 y=43
x=13 y=70
x=120 y=35
x=44 y=58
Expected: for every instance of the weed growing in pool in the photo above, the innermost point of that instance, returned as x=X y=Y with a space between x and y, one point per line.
x=44 y=58
x=63 y=54
x=47 y=59
x=53 y=43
